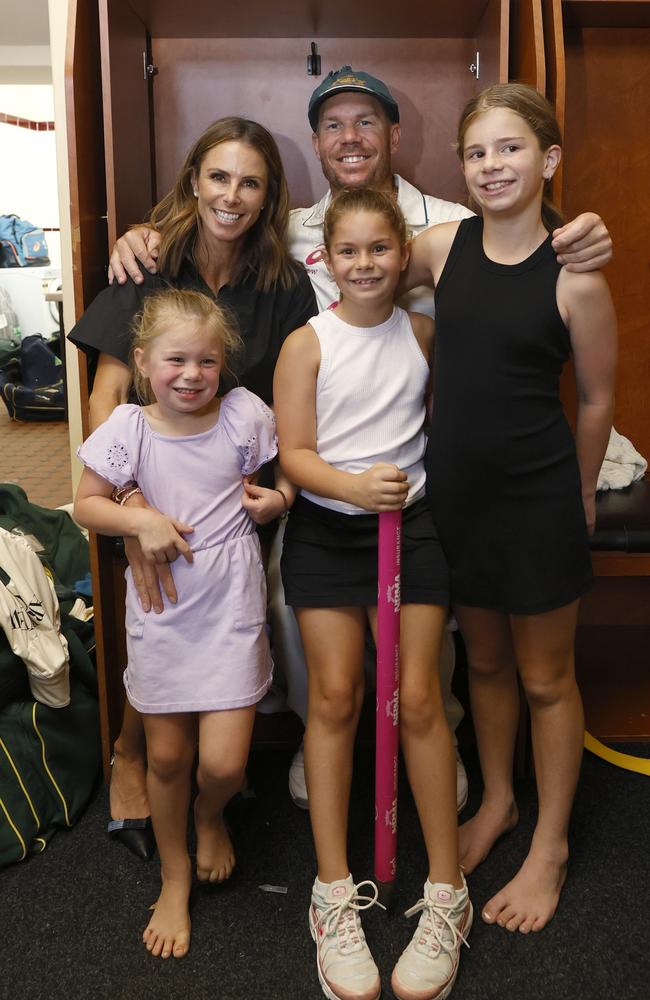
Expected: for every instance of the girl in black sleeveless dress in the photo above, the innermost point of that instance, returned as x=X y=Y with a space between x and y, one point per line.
x=511 y=491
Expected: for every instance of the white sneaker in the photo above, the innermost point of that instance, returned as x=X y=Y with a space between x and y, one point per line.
x=297 y=785
x=461 y=783
x=346 y=969
x=428 y=966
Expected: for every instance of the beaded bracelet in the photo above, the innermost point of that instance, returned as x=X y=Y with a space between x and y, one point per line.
x=122 y=493
x=130 y=493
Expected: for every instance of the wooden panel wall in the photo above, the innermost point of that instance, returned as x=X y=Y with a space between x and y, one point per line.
x=607 y=170
x=612 y=656
x=86 y=154
x=266 y=79
x=527 y=64
x=317 y=18
x=89 y=256
x=555 y=74
x=126 y=116
x=493 y=39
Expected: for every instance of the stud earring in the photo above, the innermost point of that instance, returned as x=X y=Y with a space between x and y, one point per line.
x=196 y=193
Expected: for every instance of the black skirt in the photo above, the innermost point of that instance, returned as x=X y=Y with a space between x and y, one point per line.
x=329 y=559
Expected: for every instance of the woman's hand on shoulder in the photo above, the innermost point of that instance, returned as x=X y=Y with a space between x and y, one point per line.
x=382 y=487
x=138 y=244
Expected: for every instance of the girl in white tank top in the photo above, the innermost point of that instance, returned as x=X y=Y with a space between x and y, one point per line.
x=349 y=394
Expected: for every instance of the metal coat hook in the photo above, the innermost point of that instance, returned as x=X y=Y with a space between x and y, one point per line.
x=313 y=62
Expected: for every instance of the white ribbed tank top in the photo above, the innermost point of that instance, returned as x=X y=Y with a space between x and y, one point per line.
x=370 y=400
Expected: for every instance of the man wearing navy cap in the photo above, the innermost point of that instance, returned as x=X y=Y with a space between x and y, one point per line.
x=355 y=124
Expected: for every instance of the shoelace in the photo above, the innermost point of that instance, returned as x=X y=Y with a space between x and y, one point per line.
x=341 y=917
x=434 y=927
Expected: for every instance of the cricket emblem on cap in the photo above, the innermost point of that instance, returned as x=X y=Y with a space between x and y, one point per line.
x=349 y=81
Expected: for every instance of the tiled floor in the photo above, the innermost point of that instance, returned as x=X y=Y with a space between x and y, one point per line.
x=36 y=455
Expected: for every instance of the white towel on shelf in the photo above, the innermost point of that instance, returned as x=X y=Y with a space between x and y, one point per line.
x=622 y=465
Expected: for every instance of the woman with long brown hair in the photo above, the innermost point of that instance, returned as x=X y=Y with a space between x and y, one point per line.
x=222 y=228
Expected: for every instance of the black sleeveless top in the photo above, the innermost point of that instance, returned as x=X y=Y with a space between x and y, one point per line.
x=502 y=474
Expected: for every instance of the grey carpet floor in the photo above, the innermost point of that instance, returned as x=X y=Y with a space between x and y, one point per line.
x=72 y=918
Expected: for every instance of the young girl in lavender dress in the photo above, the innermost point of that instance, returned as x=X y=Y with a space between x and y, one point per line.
x=197 y=671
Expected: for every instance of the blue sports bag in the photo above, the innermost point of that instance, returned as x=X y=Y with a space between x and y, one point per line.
x=22 y=244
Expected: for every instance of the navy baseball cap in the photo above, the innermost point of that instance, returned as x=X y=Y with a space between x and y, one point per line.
x=348 y=79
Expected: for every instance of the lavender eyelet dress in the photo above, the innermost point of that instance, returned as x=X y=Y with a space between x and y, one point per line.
x=209 y=651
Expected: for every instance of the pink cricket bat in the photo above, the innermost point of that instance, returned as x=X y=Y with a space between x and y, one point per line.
x=387 y=720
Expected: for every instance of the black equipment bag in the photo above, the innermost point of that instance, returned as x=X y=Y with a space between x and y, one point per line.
x=30 y=382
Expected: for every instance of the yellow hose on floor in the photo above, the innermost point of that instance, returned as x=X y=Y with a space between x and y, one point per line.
x=625 y=760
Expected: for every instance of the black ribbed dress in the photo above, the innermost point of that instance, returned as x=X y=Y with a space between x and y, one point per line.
x=502 y=474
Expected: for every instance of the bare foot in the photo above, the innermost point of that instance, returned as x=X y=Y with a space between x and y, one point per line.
x=530 y=899
x=478 y=835
x=215 y=856
x=128 y=788
x=168 y=931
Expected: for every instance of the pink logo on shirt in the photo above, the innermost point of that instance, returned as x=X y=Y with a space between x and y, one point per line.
x=315 y=257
